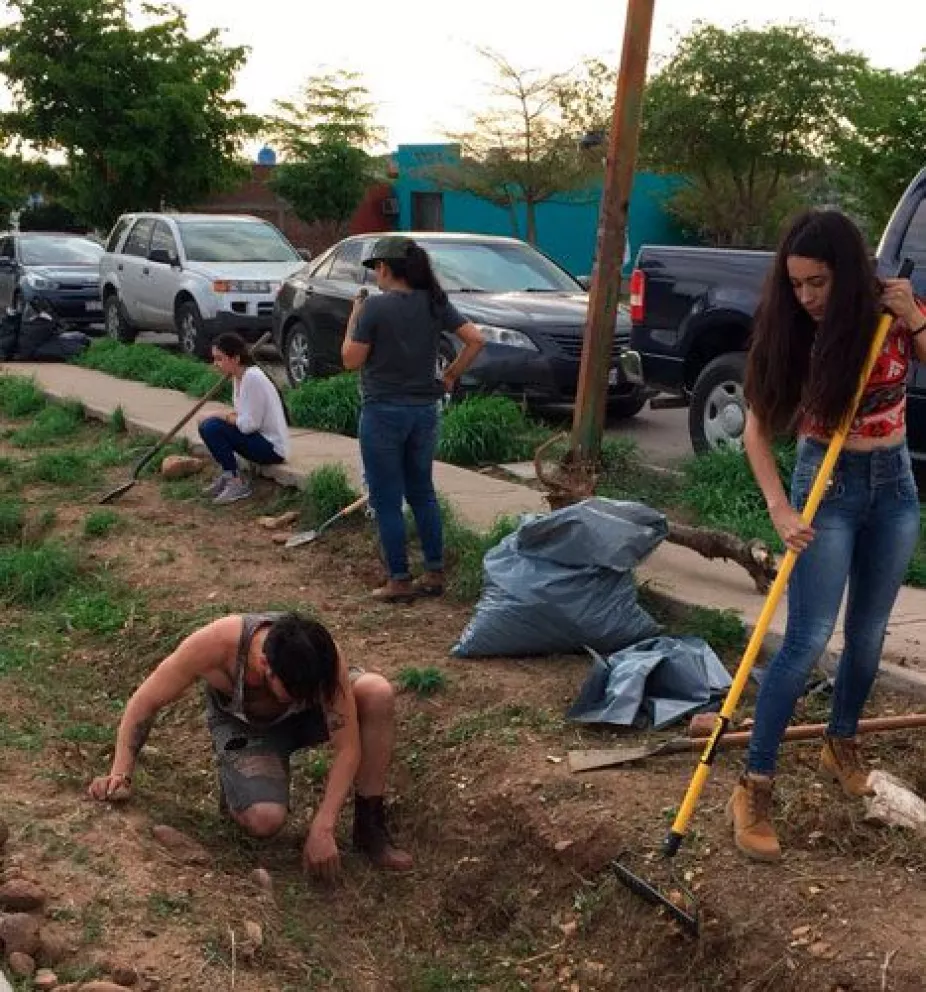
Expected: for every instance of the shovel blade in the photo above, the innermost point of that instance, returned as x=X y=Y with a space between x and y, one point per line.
x=589 y=760
x=306 y=537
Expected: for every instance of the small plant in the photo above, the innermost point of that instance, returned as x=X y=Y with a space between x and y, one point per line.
x=54 y=422
x=11 y=520
x=31 y=575
x=423 y=681
x=99 y=523
x=164 y=905
x=317 y=766
x=327 y=490
x=117 y=421
x=487 y=430
x=331 y=404
x=94 y=611
x=19 y=397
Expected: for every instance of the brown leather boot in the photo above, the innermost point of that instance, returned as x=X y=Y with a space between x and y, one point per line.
x=749 y=811
x=841 y=760
x=371 y=835
x=395 y=591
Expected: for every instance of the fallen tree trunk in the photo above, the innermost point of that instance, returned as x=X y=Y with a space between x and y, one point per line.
x=572 y=483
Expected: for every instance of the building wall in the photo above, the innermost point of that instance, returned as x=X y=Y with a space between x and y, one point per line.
x=566 y=225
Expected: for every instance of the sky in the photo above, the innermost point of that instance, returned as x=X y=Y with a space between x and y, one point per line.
x=419 y=57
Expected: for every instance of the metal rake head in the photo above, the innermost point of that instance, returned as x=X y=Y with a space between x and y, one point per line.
x=679 y=902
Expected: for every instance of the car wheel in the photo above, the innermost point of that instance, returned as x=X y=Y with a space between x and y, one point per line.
x=299 y=355
x=717 y=411
x=625 y=407
x=117 y=327
x=190 y=331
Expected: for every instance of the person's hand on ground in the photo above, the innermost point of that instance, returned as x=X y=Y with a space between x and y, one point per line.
x=111 y=788
x=320 y=855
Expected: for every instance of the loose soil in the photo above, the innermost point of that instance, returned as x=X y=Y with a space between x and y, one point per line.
x=512 y=888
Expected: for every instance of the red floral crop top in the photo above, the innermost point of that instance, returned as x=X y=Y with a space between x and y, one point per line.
x=883 y=407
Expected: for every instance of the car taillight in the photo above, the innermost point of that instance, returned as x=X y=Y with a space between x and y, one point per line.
x=638 y=296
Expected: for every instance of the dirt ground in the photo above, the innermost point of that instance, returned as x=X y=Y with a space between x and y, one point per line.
x=512 y=887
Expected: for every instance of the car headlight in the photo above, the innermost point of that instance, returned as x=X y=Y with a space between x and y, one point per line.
x=504 y=335
x=38 y=282
x=245 y=287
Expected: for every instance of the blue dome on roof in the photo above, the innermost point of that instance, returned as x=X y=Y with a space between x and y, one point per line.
x=266 y=156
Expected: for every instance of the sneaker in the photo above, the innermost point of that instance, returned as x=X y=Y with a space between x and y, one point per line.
x=216 y=486
x=235 y=489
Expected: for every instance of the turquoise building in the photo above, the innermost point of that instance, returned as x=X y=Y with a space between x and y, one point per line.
x=566 y=225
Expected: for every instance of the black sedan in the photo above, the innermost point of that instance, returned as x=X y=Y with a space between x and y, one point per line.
x=62 y=270
x=531 y=313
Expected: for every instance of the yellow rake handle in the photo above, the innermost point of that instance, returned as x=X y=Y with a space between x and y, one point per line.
x=686 y=811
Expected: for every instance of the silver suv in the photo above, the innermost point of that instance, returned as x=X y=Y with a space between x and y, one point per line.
x=194 y=274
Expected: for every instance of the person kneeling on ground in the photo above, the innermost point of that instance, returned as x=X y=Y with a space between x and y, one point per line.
x=257 y=430
x=276 y=683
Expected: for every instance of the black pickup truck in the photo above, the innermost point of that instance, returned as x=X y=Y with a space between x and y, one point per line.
x=692 y=310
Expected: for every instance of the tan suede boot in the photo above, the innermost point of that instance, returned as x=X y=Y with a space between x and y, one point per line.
x=749 y=812
x=841 y=761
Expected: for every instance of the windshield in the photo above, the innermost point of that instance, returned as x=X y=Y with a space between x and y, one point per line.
x=231 y=241
x=59 y=251
x=500 y=267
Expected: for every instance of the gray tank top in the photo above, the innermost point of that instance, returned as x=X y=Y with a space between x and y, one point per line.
x=234 y=705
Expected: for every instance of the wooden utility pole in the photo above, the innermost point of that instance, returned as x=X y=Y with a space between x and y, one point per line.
x=598 y=346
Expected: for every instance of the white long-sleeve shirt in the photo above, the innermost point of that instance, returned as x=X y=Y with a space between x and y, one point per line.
x=259 y=410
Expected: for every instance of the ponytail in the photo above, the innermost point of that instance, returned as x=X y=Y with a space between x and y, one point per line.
x=416 y=270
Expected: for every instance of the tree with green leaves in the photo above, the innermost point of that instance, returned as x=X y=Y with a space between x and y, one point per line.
x=326 y=136
x=142 y=113
x=522 y=150
x=884 y=145
x=749 y=117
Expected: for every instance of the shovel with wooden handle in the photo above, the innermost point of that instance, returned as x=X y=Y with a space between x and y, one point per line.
x=589 y=760
x=307 y=536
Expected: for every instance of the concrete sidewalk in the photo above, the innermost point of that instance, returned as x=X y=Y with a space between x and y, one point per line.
x=672 y=570
x=479 y=499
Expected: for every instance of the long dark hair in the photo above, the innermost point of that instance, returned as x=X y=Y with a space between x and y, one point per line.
x=796 y=366
x=234 y=346
x=416 y=270
x=303 y=656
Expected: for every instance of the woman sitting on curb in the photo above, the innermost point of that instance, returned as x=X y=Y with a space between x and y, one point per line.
x=257 y=430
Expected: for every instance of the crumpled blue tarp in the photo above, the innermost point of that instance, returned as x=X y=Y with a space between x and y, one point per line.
x=655 y=682
x=564 y=581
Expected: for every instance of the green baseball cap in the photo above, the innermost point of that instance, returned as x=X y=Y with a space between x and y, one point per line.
x=389 y=249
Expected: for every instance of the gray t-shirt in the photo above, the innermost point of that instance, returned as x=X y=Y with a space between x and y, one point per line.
x=404 y=338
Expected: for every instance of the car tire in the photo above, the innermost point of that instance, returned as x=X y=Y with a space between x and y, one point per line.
x=190 y=331
x=299 y=358
x=717 y=410
x=625 y=407
x=117 y=327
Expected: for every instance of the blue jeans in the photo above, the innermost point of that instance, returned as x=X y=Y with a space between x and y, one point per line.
x=397 y=443
x=866 y=530
x=224 y=440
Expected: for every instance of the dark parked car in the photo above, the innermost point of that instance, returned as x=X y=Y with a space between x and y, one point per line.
x=61 y=269
x=692 y=311
x=530 y=311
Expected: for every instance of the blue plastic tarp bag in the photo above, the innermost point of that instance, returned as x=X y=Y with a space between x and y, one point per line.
x=564 y=581
x=653 y=683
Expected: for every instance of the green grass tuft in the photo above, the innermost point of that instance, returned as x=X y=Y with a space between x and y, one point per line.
x=331 y=404
x=19 y=397
x=423 y=681
x=99 y=523
x=327 y=490
x=485 y=430
x=53 y=423
x=12 y=517
x=35 y=574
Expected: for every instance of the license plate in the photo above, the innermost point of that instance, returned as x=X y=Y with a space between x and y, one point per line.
x=612 y=377
x=95 y=305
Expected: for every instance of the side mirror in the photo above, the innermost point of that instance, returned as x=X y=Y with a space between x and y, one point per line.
x=162 y=256
x=305 y=254
x=585 y=282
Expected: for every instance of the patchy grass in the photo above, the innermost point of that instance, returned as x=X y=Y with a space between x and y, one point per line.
x=422 y=681
x=465 y=549
x=117 y=421
x=152 y=365
x=327 y=490
x=95 y=611
x=484 y=430
x=12 y=517
x=100 y=523
x=52 y=424
x=19 y=397
x=33 y=575
x=62 y=468
x=330 y=404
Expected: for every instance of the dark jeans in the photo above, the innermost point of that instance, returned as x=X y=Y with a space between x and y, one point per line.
x=397 y=442
x=866 y=529
x=224 y=440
